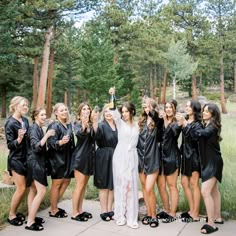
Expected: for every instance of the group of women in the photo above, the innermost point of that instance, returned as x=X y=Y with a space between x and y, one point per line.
x=117 y=151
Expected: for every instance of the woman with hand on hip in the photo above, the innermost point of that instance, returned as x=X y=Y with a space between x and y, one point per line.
x=106 y=140
x=36 y=168
x=60 y=149
x=211 y=165
x=125 y=166
x=16 y=135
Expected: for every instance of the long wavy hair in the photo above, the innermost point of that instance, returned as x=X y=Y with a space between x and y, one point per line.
x=143 y=117
x=173 y=104
x=131 y=108
x=79 y=110
x=196 y=108
x=215 y=117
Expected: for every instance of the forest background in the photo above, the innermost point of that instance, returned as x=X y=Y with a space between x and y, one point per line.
x=142 y=47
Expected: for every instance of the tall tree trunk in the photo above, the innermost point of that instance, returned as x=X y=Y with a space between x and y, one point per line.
x=44 y=69
x=194 y=87
x=200 y=83
x=66 y=98
x=78 y=96
x=150 y=81
x=35 y=82
x=50 y=78
x=115 y=58
x=174 y=87
x=155 y=81
x=163 y=98
x=85 y=95
x=159 y=85
x=4 y=101
x=235 y=77
x=222 y=90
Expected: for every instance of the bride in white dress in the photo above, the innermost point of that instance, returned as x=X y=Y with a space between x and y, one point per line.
x=125 y=166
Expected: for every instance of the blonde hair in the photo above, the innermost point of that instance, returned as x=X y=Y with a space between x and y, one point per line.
x=56 y=106
x=16 y=101
x=103 y=110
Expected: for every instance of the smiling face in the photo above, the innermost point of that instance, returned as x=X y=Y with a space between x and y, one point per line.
x=85 y=111
x=188 y=109
x=107 y=114
x=125 y=114
x=169 y=110
x=22 y=107
x=206 y=115
x=40 y=118
x=62 y=113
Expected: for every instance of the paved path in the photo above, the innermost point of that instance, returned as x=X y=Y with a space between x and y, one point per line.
x=97 y=227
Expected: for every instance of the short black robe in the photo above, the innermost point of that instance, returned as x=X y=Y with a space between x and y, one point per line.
x=83 y=155
x=170 y=158
x=60 y=156
x=17 y=152
x=190 y=161
x=106 y=140
x=36 y=161
x=210 y=154
x=148 y=146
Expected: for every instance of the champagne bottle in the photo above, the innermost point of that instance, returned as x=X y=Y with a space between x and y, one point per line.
x=112 y=102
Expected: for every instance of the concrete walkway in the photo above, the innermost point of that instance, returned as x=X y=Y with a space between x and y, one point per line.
x=97 y=227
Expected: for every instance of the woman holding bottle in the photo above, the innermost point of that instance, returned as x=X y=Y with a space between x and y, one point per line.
x=125 y=166
x=36 y=168
x=106 y=140
x=16 y=135
x=60 y=148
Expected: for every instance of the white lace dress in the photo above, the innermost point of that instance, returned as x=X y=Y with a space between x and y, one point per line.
x=125 y=173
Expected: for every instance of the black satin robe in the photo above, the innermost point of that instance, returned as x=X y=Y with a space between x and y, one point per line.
x=148 y=146
x=60 y=156
x=106 y=140
x=190 y=161
x=83 y=155
x=210 y=154
x=17 y=152
x=36 y=161
x=170 y=158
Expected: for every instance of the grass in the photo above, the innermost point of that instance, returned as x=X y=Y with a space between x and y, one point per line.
x=227 y=187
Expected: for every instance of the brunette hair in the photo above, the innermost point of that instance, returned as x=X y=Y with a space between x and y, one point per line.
x=143 y=117
x=173 y=104
x=215 y=117
x=80 y=107
x=15 y=101
x=196 y=107
x=35 y=112
x=130 y=107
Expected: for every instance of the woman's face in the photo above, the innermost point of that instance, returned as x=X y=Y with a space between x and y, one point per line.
x=125 y=114
x=169 y=110
x=188 y=109
x=22 y=107
x=62 y=113
x=41 y=117
x=206 y=115
x=107 y=114
x=85 y=112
